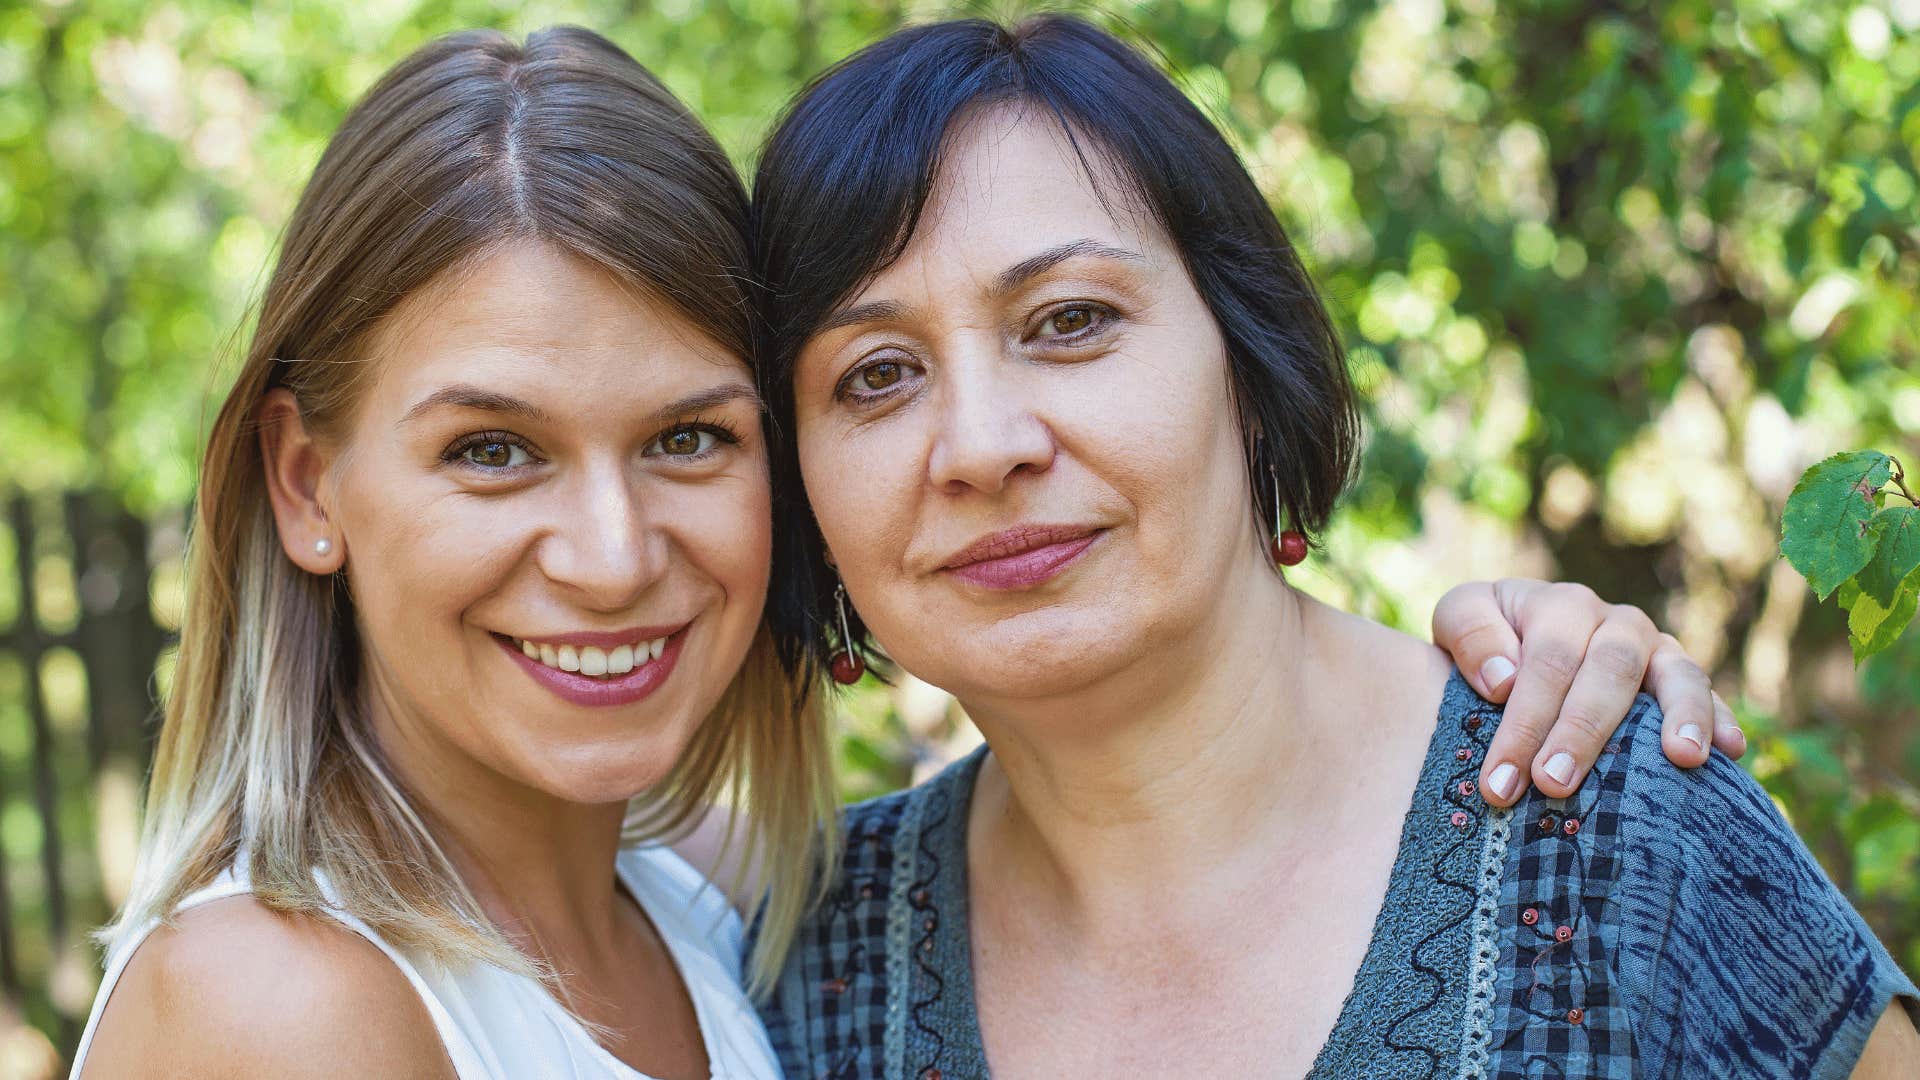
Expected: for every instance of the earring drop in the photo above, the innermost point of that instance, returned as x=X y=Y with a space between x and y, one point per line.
x=323 y=546
x=846 y=664
x=1289 y=546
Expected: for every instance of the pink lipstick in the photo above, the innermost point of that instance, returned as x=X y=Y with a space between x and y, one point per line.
x=1021 y=557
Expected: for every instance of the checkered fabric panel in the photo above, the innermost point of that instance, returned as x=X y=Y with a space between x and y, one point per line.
x=828 y=1016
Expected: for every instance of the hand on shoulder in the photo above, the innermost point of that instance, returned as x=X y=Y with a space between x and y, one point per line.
x=235 y=989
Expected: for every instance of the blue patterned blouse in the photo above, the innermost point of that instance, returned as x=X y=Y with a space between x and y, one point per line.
x=1659 y=923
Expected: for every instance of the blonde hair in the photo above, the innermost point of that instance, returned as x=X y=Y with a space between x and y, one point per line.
x=263 y=753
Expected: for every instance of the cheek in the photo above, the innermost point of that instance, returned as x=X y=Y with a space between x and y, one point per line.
x=1161 y=437
x=416 y=564
x=728 y=531
x=857 y=503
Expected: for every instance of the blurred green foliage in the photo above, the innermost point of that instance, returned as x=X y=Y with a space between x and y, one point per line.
x=1613 y=275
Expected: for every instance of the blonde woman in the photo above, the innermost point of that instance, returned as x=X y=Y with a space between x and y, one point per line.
x=496 y=416
x=475 y=618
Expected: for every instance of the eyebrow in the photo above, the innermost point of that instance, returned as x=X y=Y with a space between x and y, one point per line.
x=1008 y=280
x=711 y=398
x=1027 y=269
x=465 y=396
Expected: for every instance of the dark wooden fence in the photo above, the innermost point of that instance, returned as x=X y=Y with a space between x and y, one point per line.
x=80 y=646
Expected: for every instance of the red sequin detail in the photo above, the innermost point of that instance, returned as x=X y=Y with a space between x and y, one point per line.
x=1563 y=934
x=1530 y=916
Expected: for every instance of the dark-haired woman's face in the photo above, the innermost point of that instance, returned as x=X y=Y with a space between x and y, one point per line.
x=1018 y=439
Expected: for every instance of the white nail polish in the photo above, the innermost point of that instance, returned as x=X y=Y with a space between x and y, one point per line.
x=1691 y=733
x=1496 y=671
x=1560 y=767
x=1501 y=779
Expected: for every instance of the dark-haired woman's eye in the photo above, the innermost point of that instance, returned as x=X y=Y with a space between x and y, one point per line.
x=1068 y=321
x=878 y=379
x=1071 y=321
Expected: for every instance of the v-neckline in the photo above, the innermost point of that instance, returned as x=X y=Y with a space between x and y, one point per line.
x=1441 y=837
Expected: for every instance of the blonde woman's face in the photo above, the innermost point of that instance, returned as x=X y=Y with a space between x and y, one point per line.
x=554 y=508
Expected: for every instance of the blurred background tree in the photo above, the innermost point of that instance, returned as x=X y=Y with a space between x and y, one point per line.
x=1613 y=274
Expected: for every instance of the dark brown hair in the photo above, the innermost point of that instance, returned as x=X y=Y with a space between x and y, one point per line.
x=846 y=174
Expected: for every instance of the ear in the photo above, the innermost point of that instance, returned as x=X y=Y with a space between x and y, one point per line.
x=296 y=468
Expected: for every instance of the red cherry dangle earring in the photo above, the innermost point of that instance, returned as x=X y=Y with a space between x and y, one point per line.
x=846 y=664
x=1289 y=546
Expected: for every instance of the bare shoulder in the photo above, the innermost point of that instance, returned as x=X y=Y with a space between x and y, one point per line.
x=1893 y=1050
x=233 y=988
x=716 y=847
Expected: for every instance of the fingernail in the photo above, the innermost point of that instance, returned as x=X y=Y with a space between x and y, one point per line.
x=1738 y=734
x=1560 y=767
x=1501 y=779
x=1496 y=671
x=1691 y=733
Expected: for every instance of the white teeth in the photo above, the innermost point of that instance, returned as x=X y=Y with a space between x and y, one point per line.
x=593 y=661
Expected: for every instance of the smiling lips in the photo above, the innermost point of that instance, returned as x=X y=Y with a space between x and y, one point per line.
x=599 y=668
x=1021 y=557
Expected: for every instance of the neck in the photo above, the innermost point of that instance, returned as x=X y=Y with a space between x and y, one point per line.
x=1197 y=772
x=541 y=867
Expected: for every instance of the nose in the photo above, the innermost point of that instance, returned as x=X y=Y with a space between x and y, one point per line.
x=603 y=546
x=987 y=430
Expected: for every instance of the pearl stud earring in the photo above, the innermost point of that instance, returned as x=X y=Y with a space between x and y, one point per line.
x=322 y=546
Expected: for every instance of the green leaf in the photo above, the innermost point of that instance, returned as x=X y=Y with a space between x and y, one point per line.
x=1897 y=555
x=1882 y=598
x=1827 y=531
x=1872 y=626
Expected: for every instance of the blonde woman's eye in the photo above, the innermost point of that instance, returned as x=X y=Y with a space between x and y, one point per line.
x=496 y=454
x=685 y=443
x=693 y=441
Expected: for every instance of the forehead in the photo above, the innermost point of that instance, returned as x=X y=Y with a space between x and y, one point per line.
x=1011 y=182
x=529 y=313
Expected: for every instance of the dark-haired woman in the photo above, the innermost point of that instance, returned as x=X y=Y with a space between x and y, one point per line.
x=1055 y=379
x=478 y=566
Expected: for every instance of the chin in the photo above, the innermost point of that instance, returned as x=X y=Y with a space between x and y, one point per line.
x=604 y=771
x=1045 y=653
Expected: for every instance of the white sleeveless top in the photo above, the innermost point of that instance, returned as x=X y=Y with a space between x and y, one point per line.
x=494 y=1023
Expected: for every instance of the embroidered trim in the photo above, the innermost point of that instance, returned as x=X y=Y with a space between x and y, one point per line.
x=1484 y=951
x=906 y=844
x=926 y=915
